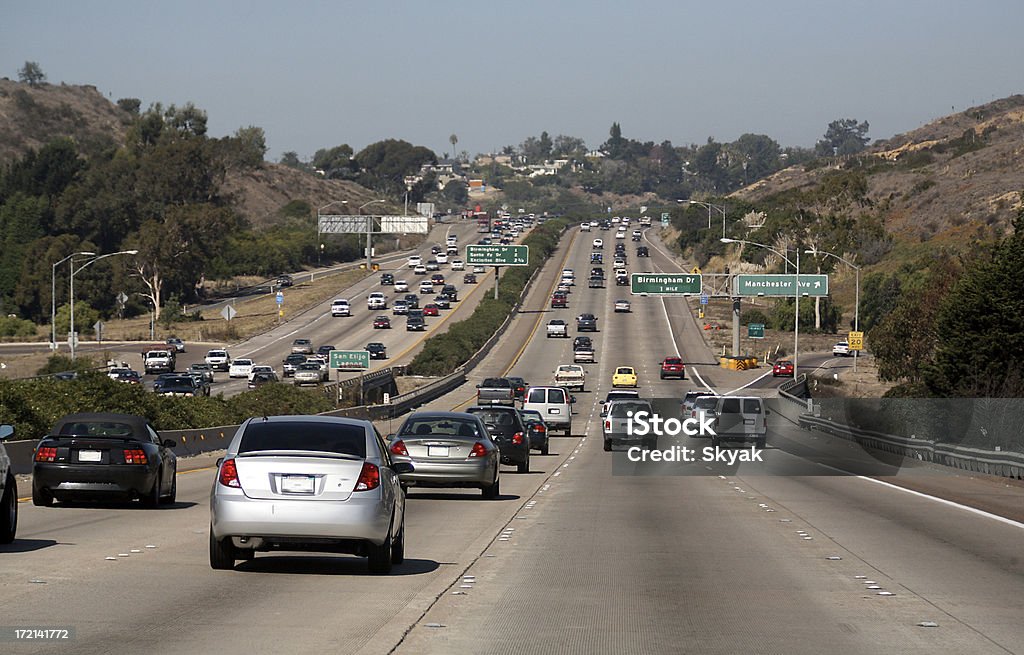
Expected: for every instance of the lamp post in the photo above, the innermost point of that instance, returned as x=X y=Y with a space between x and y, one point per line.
x=856 y=308
x=53 y=296
x=796 y=318
x=710 y=207
x=76 y=271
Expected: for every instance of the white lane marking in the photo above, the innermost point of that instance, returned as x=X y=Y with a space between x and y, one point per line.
x=755 y=380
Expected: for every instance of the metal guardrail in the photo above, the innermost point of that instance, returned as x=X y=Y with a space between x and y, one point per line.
x=977 y=460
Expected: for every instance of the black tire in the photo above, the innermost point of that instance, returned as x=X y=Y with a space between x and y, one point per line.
x=544 y=449
x=607 y=446
x=173 y=494
x=222 y=553
x=492 y=491
x=398 y=546
x=9 y=511
x=716 y=442
x=41 y=498
x=524 y=466
x=662 y=375
x=246 y=554
x=379 y=557
x=762 y=442
x=152 y=499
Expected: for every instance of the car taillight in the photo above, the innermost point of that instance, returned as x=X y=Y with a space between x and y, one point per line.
x=369 y=477
x=517 y=438
x=607 y=425
x=540 y=428
x=398 y=448
x=46 y=455
x=479 y=450
x=135 y=456
x=229 y=474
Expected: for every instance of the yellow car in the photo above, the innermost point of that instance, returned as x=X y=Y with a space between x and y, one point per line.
x=625 y=376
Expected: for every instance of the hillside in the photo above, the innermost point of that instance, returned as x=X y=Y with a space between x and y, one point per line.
x=30 y=116
x=953 y=180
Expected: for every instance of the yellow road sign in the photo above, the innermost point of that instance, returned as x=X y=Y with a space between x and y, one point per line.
x=856 y=340
x=696 y=270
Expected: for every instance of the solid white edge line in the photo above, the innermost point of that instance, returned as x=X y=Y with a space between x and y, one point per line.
x=943 y=501
x=757 y=379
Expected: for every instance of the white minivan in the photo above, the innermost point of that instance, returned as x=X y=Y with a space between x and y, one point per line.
x=740 y=418
x=554 y=405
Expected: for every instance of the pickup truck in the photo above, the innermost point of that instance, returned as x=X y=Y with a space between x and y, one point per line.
x=158 y=361
x=570 y=376
x=557 y=328
x=586 y=323
x=495 y=391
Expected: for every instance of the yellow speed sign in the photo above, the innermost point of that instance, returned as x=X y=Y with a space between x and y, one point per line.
x=856 y=340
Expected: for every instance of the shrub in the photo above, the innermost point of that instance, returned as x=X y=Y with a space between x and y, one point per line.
x=11 y=326
x=749 y=316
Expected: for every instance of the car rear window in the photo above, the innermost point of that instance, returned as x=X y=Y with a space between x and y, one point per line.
x=705 y=402
x=751 y=406
x=623 y=409
x=731 y=406
x=304 y=435
x=440 y=427
x=496 y=382
x=495 y=416
x=556 y=395
x=97 y=429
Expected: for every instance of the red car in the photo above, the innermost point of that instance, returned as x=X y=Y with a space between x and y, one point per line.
x=782 y=367
x=381 y=322
x=431 y=310
x=559 y=300
x=436 y=279
x=673 y=367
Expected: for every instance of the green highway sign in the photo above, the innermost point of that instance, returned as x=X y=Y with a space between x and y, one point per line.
x=477 y=255
x=783 y=286
x=755 y=330
x=350 y=359
x=665 y=284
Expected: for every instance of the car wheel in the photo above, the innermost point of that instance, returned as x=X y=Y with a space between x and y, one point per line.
x=662 y=375
x=41 y=497
x=762 y=442
x=246 y=554
x=716 y=442
x=9 y=510
x=152 y=499
x=524 y=466
x=222 y=553
x=544 y=448
x=607 y=446
x=398 y=547
x=492 y=491
x=173 y=495
x=379 y=557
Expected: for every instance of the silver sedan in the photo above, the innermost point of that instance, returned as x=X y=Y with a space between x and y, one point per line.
x=448 y=449
x=308 y=483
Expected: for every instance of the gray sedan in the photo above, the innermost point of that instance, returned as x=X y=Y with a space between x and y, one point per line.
x=308 y=483
x=448 y=449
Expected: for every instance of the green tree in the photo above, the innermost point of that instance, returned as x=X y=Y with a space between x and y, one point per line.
x=981 y=351
x=130 y=105
x=880 y=295
x=385 y=164
x=615 y=146
x=249 y=146
x=843 y=137
x=568 y=146
x=453 y=139
x=335 y=162
x=456 y=193
x=291 y=159
x=31 y=73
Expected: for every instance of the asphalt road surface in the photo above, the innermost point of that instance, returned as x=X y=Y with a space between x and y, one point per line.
x=577 y=556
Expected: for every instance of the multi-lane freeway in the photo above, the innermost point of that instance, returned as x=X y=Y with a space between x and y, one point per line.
x=579 y=555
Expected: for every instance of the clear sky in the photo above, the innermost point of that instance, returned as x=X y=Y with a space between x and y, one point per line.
x=318 y=74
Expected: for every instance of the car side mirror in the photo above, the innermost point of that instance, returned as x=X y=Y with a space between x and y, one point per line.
x=478 y=386
x=169 y=443
x=767 y=412
x=402 y=467
x=572 y=399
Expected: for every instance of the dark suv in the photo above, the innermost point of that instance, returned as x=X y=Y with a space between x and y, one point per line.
x=506 y=428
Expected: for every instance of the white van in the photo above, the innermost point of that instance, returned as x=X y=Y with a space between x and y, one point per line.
x=554 y=405
x=740 y=418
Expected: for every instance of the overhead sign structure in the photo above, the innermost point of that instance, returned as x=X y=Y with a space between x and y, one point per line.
x=477 y=255
x=350 y=359
x=782 y=286
x=755 y=330
x=665 y=284
x=856 y=340
x=348 y=224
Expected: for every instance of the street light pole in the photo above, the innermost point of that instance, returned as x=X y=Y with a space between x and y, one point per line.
x=710 y=207
x=796 y=319
x=76 y=271
x=856 y=309
x=53 y=296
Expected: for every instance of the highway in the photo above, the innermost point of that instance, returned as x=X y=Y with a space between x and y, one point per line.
x=587 y=553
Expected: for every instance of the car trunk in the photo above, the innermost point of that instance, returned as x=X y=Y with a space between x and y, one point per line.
x=91 y=450
x=285 y=475
x=434 y=447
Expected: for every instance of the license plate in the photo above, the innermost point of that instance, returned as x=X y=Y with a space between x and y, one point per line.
x=748 y=421
x=90 y=456
x=554 y=410
x=437 y=451
x=297 y=484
